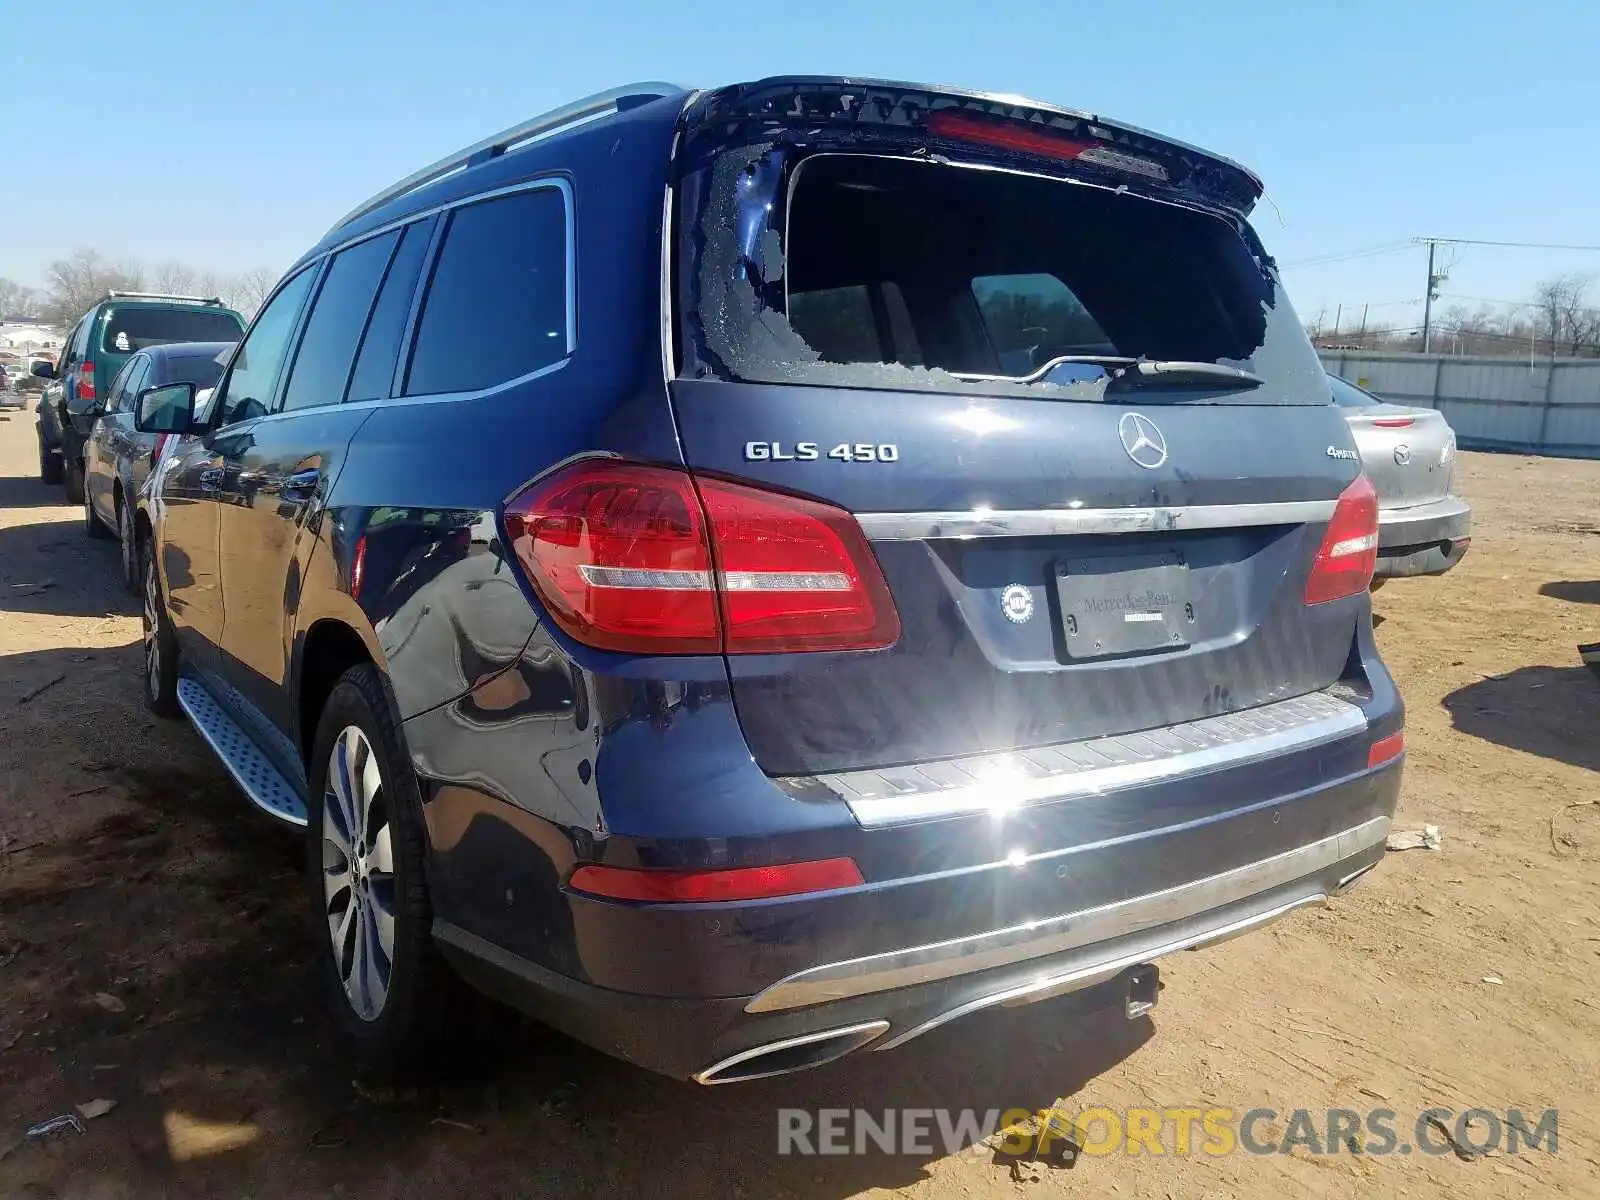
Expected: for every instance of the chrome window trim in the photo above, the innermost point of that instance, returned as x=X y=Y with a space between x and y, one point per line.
x=1068 y=931
x=1050 y=522
x=999 y=782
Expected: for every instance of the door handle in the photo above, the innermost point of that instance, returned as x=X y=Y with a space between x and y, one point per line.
x=301 y=484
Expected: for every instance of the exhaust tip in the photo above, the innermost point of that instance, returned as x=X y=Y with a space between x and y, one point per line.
x=791 y=1054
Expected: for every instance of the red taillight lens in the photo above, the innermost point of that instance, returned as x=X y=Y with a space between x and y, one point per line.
x=740 y=883
x=645 y=560
x=1349 y=551
x=1393 y=423
x=1386 y=749
x=794 y=574
x=620 y=556
x=86 y=381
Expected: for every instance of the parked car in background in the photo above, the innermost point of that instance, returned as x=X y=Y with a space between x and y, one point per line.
x=117 y=457
x=101 y=343
x=778 y=625
x=47 y=426
x=1409 y=454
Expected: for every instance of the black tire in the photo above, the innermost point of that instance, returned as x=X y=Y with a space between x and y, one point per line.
x=49 y=462
x=403 y=1033
x=93 y=526
x=128 y=543
x=160 y=667
x=1377 y=582
x=73 y=476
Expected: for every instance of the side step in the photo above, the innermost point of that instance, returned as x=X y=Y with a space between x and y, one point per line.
x=262 y=782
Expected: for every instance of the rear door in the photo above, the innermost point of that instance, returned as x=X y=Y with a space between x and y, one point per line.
x=945 y=345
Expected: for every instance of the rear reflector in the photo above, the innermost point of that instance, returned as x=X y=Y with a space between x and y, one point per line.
x=1386 y=749
x=647 y=560
x=1349 y=551
x=741 y=883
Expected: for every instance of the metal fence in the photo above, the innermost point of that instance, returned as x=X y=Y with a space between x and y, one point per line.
x=1544 y=406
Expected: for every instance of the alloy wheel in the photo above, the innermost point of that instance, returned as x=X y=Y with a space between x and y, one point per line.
x=358 y=873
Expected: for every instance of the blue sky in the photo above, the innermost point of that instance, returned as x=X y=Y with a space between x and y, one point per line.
x=229 y=136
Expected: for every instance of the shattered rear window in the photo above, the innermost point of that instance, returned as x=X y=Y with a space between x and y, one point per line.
x=846 y=269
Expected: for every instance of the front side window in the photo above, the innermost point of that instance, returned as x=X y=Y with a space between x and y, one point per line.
x=247 y=390
x=328 y=346
x=125 y=384
x=496 y=305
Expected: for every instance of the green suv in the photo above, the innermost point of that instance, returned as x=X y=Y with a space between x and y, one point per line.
x=105 y=337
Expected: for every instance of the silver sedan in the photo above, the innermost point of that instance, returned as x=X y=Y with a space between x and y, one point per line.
x=1409 y=454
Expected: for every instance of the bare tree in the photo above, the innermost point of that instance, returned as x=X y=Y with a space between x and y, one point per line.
x=19 y=301
x=72 y=284
x=251 y=289
x=1568 y=322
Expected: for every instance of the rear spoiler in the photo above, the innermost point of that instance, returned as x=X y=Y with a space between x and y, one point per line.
x=1019 y=125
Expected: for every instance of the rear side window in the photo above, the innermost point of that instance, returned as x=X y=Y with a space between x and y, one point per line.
x=201 y=370
x=496 y=305
x=339 y=313
x=130 y=329
x=826 y=268
x=1348 y=395
x=380 y=347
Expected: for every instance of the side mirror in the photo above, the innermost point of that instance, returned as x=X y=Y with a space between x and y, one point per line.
x=167 y=409
x=44 y=370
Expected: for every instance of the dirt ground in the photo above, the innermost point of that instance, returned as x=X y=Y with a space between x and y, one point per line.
x=154 y=951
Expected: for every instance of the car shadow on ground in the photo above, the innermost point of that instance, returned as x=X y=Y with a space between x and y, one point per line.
x=1576 y=591
x=189 y=911
x=1535 y=709
x=55 y=568
x=29 y=491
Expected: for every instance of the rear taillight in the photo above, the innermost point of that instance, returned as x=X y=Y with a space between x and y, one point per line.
x=1349 y=551
x=86 y=381
x=739 y=883
x=1393 y=423
x=1386 y=749
x=648 y=560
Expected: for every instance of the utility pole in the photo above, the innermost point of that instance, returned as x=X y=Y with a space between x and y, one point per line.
x=1430 y=295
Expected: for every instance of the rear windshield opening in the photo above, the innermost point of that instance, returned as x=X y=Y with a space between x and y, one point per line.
x=903 y=273
x=130 y=329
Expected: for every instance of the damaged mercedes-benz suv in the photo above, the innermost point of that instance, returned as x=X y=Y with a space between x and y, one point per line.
x=894 y=556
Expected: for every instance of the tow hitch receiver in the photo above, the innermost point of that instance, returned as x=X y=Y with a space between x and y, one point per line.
x=1144 y=987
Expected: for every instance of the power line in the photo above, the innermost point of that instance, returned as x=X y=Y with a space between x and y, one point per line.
x=1337 y=256
x=1422 y=241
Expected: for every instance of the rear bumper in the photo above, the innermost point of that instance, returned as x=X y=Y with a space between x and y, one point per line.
x=1424 y=539
x=884 y=999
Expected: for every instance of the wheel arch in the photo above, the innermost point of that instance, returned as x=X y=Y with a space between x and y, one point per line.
x=325 y=648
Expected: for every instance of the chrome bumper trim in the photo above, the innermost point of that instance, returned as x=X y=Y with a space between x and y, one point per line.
x=1000 y=782
x=1086 y=977
x=1070 y=931
x=1048 y=522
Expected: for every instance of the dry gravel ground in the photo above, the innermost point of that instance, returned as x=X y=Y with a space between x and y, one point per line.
x=129 y=866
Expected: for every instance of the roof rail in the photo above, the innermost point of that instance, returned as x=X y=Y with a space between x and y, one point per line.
x=599 y=104
x=162 y=296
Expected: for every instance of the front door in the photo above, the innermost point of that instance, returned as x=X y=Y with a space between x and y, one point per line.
x=276 y=483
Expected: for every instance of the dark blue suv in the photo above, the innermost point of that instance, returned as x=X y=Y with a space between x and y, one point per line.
x=752 y=575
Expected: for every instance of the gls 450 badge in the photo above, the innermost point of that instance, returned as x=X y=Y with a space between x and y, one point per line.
x=812 y=452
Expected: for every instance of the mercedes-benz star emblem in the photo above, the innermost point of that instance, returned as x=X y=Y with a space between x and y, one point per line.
x=1142 y=440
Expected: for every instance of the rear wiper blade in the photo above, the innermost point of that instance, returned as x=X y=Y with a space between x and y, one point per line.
x=1186 y=372
x=1122 y=369
x=1039 y=372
